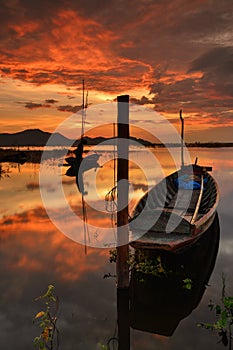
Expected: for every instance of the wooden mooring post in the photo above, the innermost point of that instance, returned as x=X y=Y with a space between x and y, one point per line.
x=123 y=319
x=122 y=267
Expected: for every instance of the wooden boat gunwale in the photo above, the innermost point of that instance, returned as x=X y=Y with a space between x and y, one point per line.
x=197 y=228
x=196 y=224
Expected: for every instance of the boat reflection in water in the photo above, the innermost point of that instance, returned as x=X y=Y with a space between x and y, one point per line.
x=159 y=303
x=78 y=165
x=12 y=156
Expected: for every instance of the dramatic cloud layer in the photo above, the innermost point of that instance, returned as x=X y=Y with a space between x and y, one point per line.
x=166 y=54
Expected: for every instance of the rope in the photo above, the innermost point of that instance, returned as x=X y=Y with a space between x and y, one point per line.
x=111 y=207
x=110 y=197
x=113 y=343
x=110 y=203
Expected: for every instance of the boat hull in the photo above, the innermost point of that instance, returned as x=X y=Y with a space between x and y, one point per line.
x=172 y=241
x=163 y=228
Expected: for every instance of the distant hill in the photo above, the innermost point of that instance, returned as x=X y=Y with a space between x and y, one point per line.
x=33 y=137
x=97 y=140
x=37 y=137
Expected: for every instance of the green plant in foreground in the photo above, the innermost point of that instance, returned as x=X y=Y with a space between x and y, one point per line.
x=111 y=344
x=187 y=283
x=47 y=320
x=224 y=318
x=147 y=265
x=141 y=263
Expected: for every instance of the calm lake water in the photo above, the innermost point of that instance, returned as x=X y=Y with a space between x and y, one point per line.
x=35 y=253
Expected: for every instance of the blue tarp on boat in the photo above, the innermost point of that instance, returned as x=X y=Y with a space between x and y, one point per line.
x=189 y=182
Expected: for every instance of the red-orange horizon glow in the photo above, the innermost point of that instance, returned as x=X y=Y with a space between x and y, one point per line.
x=165 y=56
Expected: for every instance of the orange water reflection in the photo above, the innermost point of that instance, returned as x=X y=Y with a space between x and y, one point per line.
x=29 y=241
x=34 y=253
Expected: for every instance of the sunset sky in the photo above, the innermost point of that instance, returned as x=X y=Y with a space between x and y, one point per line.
x=166 y=55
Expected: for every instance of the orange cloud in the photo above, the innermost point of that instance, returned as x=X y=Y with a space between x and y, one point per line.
x=73 y=48
x=162 y=54
x=24 y=28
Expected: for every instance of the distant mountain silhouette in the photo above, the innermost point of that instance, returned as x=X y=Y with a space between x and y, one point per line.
x=99 y=139
x=37 y=137
x=33 y=137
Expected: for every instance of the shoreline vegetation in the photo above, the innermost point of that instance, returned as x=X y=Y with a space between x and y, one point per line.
x=18 y=155
x=39 y=138
x=18 y=147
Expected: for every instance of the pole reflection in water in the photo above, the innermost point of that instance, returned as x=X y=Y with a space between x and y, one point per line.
x=123 y=319
x=159 y=303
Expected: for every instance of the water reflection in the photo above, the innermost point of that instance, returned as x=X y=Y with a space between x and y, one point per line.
x=79 y=165
x=10 y=160
x=158 y=304
x=33 y=254
x=4 y=172
x=12 y=156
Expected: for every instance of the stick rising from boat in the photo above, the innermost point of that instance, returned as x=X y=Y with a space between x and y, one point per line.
x=177 y=211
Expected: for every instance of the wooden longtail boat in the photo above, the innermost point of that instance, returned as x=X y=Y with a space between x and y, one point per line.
x=177 y=211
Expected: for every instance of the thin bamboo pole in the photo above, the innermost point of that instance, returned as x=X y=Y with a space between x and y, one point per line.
x=182 y=138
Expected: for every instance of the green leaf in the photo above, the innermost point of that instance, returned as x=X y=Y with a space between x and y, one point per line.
x=228 y=302
x=224 y=318
x=187 y=283
x=218 y=310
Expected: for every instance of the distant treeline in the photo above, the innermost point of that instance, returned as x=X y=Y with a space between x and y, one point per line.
x=210 y=144
x=98 y=140
x=37 y=137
